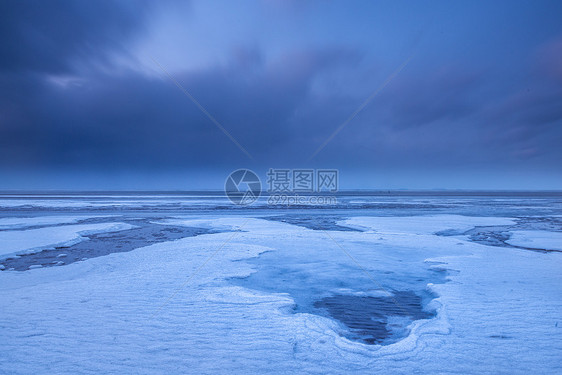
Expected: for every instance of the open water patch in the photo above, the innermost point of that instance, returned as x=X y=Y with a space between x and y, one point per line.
x=319 y=222
x=376 y=320
x=143 y=234
x=499 y=235
x=330 y=285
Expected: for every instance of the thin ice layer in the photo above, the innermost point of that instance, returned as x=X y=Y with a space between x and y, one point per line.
x=19 y=241
x=536 y=239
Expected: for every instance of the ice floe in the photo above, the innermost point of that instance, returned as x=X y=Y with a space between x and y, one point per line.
x=536 y=239
x=7 y=223
x=25 y=241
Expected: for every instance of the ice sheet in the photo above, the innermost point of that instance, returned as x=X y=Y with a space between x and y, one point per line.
x=425 y=224
x=24 y=222
x=536 y=239
x=19 y=241
x=170 y=308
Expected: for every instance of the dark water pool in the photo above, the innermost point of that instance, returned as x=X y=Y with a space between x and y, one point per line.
x=145 y=233
x=370 y=319
x=329 y=284
x=318 y=222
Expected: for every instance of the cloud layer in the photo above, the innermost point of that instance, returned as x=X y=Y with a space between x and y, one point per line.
x=482 y=92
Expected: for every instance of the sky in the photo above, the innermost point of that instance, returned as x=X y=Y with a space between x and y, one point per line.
x=174 y=95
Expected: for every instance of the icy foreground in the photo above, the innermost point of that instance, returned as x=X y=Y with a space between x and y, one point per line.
x=172 y=307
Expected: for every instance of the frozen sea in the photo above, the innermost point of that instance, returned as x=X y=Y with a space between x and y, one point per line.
x=381 y=282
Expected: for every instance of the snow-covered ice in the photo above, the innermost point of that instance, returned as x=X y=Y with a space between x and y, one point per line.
x=230 y=302
x=25 y=241
x=428 y=224
x=536 y=239
x=25 y=222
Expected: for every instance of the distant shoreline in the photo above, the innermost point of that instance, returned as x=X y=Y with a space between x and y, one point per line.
x=439 y=193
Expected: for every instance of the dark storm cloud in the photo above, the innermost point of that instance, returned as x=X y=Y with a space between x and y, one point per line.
x=106 y=120
x=49 y=36
x=75 y=91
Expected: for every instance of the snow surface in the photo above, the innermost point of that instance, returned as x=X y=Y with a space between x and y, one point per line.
x=31 y=240
x=170 y=308
x=24 y=222
x=424 y=224
x=536 y=239
x=111 y=202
